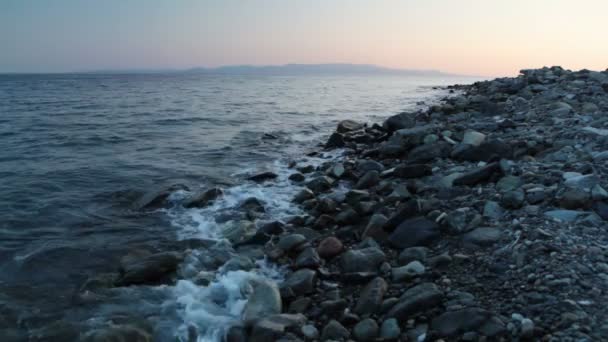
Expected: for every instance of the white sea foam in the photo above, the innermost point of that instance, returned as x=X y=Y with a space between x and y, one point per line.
x=211 y=310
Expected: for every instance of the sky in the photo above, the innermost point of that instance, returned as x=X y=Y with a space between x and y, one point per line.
x=474 y=37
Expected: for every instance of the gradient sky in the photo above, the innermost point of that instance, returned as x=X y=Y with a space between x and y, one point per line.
x=478 y=37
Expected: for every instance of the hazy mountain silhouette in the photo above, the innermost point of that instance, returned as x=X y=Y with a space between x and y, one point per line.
x=301 y=69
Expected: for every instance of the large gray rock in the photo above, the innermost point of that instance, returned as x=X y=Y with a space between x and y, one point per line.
x=334 y=331
x=481 y=175
x=265 y=300
x=150 y=269
x=459 y=321
x=409 y=271
x=204 y=198
x=345 y=126
x=399 y=121
x=362 y=260
x=300 y=282
x=371 y=297
x=273 y=327
x=483 y=236
x=416 y=299
x=390 y=329
x=366 y=330
x=417 y=231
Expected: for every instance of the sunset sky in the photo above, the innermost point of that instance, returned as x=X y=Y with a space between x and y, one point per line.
x=476 y=37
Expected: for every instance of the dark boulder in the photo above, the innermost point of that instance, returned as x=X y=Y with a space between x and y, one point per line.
x=481 y=175
x=430 y=152
x=158 y=199
x=421 y=297
x=262 y=177
x=413 y=171
x=204 y=198
x=336 y=140
x=399 y=121
x=348 y=126
x=489 y=150
x=152 y=269
x=417 y=231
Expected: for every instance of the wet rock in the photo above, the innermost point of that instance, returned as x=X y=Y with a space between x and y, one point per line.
x=304 y=195
x=371 y=297
x=430 y=152
x=412 y=171
x=575 y=198
x=308 y=258
x=320 y=184
x=204 y=198
x=481 y=175
x=336 y=140
x=348 y=126
x=297 y=177
x=347 y=216
x=310 y=332
x=290 y=242
x=239 y=231
x=473 y=138
x=265 y=300
x=490 y=150
x=366 y=330
x=334 y=331
x=253 y=204
x=158 y=199
x=535 y=196
x=374 y=228
x=409 y=271
x=601 y=208
x=565 y=215
x=300 y=282
x=152 y=269
x=330 y=247
x=484 y=236
x=337 y=171
x=462 y=220
x=370 y=179
x=513 y=199
x=492 y=210
x=412 y=254
x=417 y=231
x=390 y=329
x=399 y=121
x=262 y=177
x=581 y=182
x=273 y=327
x=118 y=333
x=509 y=183
x=421 y=297
x=365 y=166
x=362 y=260
x=459 y=321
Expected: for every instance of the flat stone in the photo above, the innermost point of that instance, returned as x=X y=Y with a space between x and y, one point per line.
x=565 y=215
x=371 y=296
x=362 y=260
x=345 y=126
x=366 y=330
x=330 y=247
x=412 y=254
x=459 y=321
x=483 y=236
x=301 y=281
x=473 y=138
x=421 y=297
x=265 y=300
x=417 y=231
x=409 y=271
x=477 y=176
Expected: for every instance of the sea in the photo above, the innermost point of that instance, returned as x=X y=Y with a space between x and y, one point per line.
x=78 y=152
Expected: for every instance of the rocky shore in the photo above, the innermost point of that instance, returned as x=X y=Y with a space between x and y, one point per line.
x=480 y=219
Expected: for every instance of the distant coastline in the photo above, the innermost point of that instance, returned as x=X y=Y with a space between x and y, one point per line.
x=271 y=70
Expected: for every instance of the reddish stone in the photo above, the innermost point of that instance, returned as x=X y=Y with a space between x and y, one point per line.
x=330 y=247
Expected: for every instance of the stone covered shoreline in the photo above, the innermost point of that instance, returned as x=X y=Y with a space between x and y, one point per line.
x=479 y=219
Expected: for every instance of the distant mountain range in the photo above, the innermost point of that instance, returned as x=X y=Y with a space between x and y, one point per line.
x=314 y=69
x=288 y=69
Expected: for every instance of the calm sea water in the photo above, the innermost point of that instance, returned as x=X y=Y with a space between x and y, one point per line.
x=76 y=151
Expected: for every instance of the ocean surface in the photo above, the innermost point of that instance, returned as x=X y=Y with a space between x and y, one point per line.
x=78 y=151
